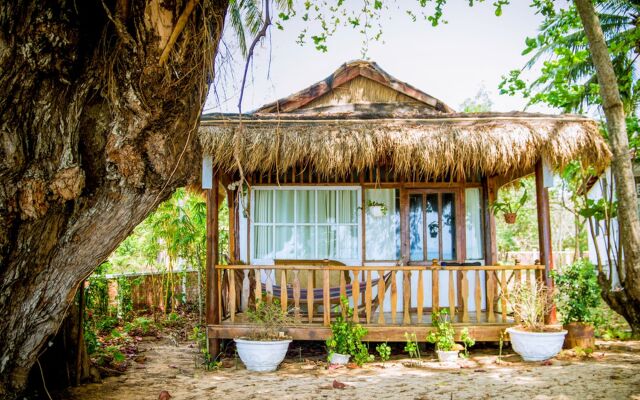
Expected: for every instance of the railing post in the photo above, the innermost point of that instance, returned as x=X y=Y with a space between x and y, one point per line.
x=435 y=286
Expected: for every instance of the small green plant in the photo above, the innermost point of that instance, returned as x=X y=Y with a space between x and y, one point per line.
x=173 y=319
x=583 y=352
x=383 y=207
x=140 y=326
x=209 y=361
x=444 y=335
x=346 y=337
x=384 y=351
x=467 y=341
x=412 y=345
x=578 y=294
x=106 y=324
x=270 y=319
x=109 y=355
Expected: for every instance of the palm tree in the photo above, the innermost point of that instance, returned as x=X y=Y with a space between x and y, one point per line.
x=563 y=41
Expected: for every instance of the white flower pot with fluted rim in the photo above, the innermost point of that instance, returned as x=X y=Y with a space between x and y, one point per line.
x=262 y=355
x=447 y=356
x=536 y=346
x=339 y=359
x=376 y=211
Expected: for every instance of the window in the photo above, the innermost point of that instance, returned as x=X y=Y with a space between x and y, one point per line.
x=382 y=235
x=473 y=224
x=432 y=226
x=305 y=224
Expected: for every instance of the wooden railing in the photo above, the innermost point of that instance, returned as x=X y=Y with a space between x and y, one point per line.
x=472 y=294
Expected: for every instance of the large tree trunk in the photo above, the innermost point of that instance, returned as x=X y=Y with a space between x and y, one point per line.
x=627 y=300
x=97 y=128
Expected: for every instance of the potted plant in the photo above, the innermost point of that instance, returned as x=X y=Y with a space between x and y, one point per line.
x=346 y=339
x=433 y=229
x=267 y=345
x=532 y=339
x=377 y=209
x=444 y=338
x=577 y=297
x=510 y=205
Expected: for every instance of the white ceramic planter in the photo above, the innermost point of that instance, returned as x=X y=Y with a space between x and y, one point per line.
x=262 y=356
x=536 y=346
x=339 y=359
x=376 y=211
x=447 y=356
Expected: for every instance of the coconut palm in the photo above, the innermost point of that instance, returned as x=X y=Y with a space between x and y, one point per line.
x=568 y=78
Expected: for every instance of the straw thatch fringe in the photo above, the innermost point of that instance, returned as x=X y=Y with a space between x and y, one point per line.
x=428 y=149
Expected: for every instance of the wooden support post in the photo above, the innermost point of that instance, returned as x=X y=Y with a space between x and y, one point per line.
x=213 y=312
x=489 y=195
x=544 y=234
x=233 y=225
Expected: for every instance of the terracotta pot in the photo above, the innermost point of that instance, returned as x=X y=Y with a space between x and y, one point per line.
x=579 y=335
x=510 y=218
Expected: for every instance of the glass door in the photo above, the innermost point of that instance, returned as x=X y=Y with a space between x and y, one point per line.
x=432 y=226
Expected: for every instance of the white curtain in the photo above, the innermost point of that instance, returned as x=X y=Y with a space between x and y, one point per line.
x=305 y=234
x=306 y=224
x=382 y=233
x=474 y=224
x=263 y=228
x=284 y=206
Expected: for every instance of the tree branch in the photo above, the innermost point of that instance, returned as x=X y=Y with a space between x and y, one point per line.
x=261 y=34
x=177 y=30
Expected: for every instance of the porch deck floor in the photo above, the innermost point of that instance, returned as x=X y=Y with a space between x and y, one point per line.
x=303 y=330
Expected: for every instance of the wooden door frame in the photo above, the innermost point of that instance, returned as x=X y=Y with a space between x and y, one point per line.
x=458 y=191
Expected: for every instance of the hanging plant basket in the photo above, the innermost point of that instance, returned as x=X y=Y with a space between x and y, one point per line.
x=510 y=218
x=376 y=211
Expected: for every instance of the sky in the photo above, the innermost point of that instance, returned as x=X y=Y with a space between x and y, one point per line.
x=451 y=62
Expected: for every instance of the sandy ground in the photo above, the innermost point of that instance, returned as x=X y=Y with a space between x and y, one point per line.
x=613 y=373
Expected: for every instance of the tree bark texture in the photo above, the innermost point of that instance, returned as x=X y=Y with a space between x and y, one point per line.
x=625 y=300
x=95 y=131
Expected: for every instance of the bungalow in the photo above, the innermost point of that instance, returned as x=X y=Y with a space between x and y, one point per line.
x=365 y=187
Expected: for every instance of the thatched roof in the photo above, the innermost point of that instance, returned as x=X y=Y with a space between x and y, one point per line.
x=412 y=139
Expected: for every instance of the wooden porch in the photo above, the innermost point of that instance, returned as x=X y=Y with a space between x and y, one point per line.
x=390 y=300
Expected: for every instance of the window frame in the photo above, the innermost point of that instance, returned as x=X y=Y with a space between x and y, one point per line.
x=273 y=188
x=459 y=237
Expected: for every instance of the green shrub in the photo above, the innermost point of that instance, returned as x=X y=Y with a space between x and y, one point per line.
x=578 y=293
x=346 y=337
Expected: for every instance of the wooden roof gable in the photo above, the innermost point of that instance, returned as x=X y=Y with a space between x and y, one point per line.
x=349 y=75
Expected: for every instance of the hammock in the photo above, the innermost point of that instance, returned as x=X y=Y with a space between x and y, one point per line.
x=334 y=292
